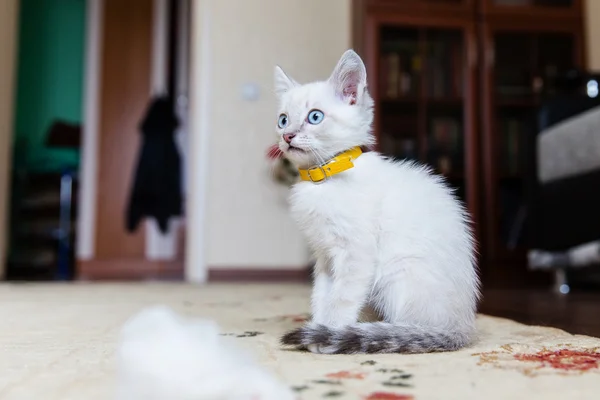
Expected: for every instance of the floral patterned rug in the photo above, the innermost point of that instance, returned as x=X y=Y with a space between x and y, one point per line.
x=58 y=342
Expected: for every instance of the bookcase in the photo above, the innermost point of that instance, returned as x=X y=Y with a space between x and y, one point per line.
x=457 y=84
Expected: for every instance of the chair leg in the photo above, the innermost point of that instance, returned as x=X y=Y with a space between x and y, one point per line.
x=561 y=284
x=64 y=251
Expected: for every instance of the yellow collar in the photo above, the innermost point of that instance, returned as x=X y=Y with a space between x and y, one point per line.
x=339 y=163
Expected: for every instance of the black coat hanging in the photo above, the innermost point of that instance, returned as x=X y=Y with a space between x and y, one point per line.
x=156 y=191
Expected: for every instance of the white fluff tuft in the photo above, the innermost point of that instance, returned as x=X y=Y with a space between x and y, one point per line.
x=164 y=356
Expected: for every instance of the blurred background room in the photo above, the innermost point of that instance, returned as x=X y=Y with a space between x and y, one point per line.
x=112 y=110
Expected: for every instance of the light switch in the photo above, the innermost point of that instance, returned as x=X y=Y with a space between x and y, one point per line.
x=250 y=92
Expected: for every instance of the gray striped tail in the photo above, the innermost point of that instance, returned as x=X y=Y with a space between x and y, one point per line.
x=378 y=337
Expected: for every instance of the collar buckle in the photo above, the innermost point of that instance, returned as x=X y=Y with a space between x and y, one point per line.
x=317 y=168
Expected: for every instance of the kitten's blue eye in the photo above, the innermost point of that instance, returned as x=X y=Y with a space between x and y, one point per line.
x=283 y=121
x=315 y=117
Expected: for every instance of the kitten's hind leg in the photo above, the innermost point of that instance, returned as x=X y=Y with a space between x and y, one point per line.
x=400 y=298
x=427 y=305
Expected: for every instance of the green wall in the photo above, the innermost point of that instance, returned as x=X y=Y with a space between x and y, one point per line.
x=50 y=79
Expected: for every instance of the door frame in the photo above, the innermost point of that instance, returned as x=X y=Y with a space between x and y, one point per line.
x=196 y=269
x=88 y=170
x=9 y=10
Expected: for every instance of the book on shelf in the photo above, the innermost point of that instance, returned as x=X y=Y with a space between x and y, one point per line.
x=400 y=67
x=399 y=147
x=446 y=145
x=444 y=69
x=389 y=75
x=513 y=80
x=511 y=133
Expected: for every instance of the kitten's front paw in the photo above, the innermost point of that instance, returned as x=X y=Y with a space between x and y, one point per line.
x=320 y=349
x=315 y=338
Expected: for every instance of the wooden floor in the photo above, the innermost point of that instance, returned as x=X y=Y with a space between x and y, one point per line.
x=575 y=312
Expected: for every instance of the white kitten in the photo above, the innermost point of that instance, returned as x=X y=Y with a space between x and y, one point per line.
x=389 y=235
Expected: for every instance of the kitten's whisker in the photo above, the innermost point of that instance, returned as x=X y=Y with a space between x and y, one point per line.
x=315 y=152
x=312 y=152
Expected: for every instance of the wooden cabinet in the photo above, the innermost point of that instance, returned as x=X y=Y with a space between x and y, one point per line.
x=520 y=63
x=456 y=85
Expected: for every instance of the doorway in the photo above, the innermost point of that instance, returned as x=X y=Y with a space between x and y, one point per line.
x=46 y=142
x=76 y=131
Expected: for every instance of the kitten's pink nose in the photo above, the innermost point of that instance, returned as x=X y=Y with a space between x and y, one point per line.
x=288 y=137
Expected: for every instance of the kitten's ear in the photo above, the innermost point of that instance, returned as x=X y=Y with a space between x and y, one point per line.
x=349 y=78
x=283 y=83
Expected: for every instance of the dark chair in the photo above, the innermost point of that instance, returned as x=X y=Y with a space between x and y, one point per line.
x=565 y=212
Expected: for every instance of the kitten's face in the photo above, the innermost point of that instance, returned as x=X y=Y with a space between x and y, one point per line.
x=320 y=119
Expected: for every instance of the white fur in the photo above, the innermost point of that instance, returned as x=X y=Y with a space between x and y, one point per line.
x=163 y=356
x=385 y=234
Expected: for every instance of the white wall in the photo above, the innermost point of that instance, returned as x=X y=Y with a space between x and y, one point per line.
x=247 y=223
x=8 y=41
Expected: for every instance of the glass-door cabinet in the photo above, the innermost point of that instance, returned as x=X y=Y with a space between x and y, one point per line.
x=520 y=64
x=422 y=78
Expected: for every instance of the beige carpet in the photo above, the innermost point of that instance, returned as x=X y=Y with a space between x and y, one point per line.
x=57 y=343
